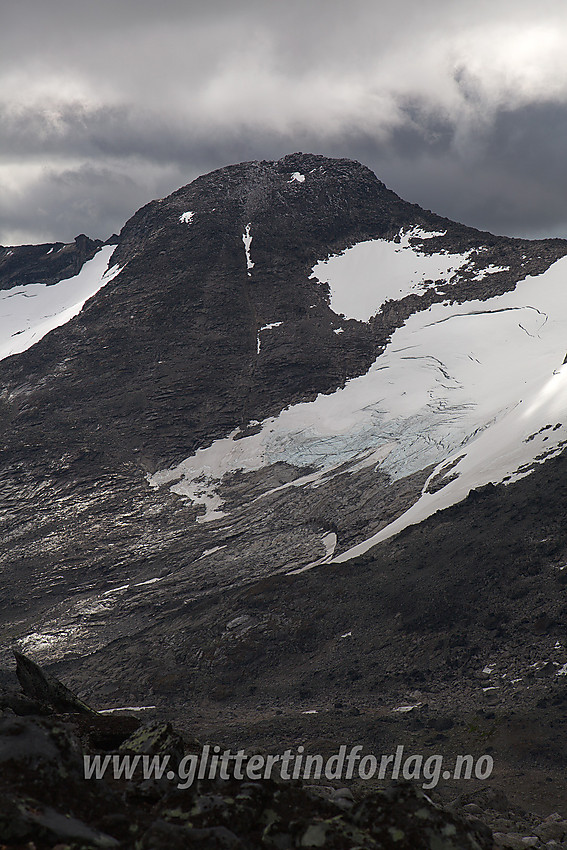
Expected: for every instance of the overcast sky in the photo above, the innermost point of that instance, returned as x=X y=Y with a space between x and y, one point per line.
x=458 y=105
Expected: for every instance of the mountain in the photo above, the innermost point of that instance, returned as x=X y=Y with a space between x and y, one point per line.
x=215 y=425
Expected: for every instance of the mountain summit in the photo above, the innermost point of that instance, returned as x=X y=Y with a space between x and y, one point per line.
x=275 y=369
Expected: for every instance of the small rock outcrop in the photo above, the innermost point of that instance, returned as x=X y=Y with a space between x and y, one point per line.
x=39 y=685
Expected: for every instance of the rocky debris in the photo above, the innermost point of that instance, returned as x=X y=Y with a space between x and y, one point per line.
x=41 y=781
x=45 y=696
x=512 y=827
x=45 y=799
x=158 y=737
x=50 y=798
x=553 y=828
x=24 y=819
x=21 y=704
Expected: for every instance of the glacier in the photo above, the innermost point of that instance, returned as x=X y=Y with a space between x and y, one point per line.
x=478 y=386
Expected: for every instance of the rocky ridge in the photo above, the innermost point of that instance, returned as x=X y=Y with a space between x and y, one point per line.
x=46 y=264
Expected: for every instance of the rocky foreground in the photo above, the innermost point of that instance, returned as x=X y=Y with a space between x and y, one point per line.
x=46 y=801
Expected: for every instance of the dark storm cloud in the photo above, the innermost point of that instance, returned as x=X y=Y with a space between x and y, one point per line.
x=512 y=180
x=62 y=202
x=457 y=106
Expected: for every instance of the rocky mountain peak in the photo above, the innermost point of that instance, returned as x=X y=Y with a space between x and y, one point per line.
x=301 y=196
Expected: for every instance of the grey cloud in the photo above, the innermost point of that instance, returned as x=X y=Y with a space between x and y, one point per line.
x=514 y=184
x=106 y=105
x=61 y=205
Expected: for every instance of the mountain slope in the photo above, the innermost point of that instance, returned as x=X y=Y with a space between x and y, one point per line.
x=290 y=347
x=284 y=364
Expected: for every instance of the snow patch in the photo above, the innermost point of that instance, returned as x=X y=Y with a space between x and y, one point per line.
x=211 y=551
x=126 y=708
x=28 y=313
x=200 y=489
x=482 y=273
x=297 y=177
x=363 y=277
x=116 y=590
x=265 y=328
x=419 y=233
x=247 y=239
x=149 y=581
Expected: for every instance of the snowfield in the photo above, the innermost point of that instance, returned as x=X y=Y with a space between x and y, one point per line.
x=28 y=313
x=363 y=277
x=478 y=389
